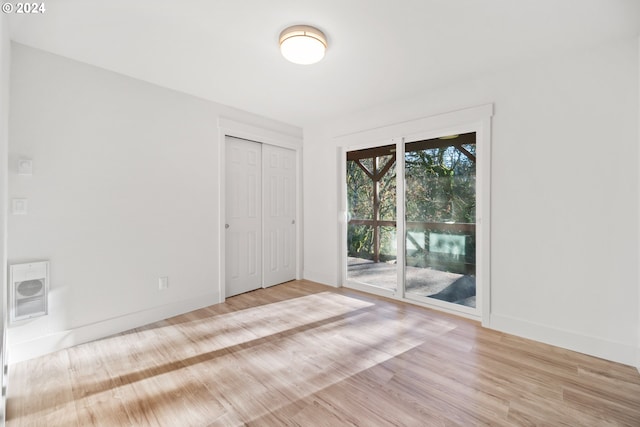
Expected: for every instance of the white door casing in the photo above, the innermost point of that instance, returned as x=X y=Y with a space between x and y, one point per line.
x=279 y=174
x=243 y=213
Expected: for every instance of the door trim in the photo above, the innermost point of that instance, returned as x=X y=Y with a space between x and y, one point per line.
x=229 y=127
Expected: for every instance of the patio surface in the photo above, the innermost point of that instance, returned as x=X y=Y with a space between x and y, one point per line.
x=452 y=287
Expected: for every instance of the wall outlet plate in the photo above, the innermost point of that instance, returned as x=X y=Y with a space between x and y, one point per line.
x=163 y=282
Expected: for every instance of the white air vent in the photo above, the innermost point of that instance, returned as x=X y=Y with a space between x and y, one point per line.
x=29 y=287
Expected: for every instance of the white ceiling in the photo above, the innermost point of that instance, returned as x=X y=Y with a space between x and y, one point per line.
x=379 y=50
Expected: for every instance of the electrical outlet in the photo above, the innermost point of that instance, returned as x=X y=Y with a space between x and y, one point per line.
x=163 y=283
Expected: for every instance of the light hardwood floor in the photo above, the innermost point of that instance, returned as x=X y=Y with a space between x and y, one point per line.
x=309 y=355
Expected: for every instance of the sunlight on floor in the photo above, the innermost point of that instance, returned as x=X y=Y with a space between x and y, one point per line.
x=251 y=361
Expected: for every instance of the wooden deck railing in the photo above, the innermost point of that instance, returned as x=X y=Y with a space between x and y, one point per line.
x=411 y=225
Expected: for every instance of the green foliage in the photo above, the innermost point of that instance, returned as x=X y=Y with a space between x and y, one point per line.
x=440 y=188
x=360 y=241
x=359 y=192
x=440 y=185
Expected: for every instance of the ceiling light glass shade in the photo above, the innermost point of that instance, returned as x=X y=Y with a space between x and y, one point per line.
x=302 y=44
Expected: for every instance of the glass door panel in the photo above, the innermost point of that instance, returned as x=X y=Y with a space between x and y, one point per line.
x=371 y=228
x=440 y=211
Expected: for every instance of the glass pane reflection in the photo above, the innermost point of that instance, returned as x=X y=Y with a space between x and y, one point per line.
x=440 y=196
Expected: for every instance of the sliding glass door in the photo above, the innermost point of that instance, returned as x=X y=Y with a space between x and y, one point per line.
x=371 y=211
x=440 y=209
x=430 y=183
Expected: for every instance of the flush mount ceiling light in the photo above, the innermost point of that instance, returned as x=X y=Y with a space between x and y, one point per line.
x=302 y=44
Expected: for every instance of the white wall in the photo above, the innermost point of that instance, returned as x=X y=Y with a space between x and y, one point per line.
x=564 y=194
x=124 y=190
x=638 y=348
x=4 y=138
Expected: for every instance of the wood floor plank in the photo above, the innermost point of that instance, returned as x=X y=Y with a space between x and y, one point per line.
x=41 y=392
x=304 y=354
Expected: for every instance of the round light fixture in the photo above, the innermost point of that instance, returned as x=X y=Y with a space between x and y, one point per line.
x=302 y=44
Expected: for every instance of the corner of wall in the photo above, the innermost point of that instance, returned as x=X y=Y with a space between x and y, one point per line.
x=5 y=59
x=638 y=239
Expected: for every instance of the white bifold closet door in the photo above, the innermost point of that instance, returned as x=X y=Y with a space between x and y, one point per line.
x=260 y=216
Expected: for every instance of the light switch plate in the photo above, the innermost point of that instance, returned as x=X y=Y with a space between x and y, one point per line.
x=19 y=206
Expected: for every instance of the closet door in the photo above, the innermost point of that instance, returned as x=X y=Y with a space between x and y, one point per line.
x=279 y=174
x=243 y=220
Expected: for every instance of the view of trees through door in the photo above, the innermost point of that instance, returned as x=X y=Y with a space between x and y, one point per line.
x=371 y=234
x=440 y=218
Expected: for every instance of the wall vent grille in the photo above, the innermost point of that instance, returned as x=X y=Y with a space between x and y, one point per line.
x=29 y=288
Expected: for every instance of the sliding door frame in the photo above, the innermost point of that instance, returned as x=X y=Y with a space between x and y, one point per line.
x=376 y=290
x=475 y=119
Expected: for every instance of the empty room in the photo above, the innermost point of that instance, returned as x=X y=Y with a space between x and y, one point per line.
x=362 y=213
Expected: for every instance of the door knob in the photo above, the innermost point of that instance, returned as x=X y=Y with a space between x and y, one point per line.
x=226 y=226
x=293 y=221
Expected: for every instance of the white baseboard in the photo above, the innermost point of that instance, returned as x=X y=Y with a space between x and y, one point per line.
x=19 y=351
x=324 y=278
x=593 y=346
